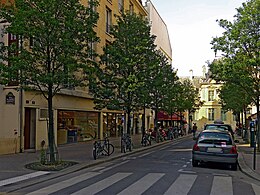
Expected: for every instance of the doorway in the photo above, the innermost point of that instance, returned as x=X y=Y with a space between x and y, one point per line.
x=30 y=128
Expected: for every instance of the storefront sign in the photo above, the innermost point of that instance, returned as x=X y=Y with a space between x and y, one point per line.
x=10 y=98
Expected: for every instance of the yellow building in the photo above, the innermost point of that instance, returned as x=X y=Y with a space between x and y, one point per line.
x=23 y=114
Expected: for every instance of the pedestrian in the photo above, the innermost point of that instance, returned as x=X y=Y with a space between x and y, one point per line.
x=194 y=129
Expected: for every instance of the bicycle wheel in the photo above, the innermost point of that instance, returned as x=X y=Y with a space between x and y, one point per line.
x=109 y=149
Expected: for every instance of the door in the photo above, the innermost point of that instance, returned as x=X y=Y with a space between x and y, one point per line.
x=30 y=128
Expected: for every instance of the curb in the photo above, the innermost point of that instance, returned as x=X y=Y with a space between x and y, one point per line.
x=244 y=168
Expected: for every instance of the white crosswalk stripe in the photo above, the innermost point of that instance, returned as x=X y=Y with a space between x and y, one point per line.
x=182 y=185
x=92 y=189
x=58 y=186
x=256 y=189
x=22 y=178
x=142 y=184
x=222 y=185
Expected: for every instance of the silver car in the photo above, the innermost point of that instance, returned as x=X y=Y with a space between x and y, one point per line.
x=215 y=146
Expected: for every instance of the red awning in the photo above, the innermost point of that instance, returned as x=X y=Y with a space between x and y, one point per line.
x=163 y=116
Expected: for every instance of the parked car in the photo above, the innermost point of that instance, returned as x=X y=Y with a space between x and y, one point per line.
x=220 y=126
x=215 y=146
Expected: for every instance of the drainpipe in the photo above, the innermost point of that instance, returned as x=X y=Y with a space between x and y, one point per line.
x=21 y=117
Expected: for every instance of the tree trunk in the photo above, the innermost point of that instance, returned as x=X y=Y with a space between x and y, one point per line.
x=258 y=123
x=51 y=127
x=128 y=121
x=143 y=122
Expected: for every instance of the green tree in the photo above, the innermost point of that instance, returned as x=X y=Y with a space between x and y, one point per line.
x=161 y=75
x=189 y=98
x=172 y=93
x=62 y=34
x=120 y=74
x=239 y=45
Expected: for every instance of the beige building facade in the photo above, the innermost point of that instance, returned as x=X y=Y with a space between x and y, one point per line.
x=24 y=116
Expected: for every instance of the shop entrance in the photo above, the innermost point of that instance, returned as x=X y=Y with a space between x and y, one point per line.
x=29 y=128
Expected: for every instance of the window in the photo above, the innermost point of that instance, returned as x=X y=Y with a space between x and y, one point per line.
x=108 y=20
x=92 y=6
x=92 y=48
x=223 y=115
x=131 y=8
x=211 y=112
x=121 y=5
x=210 y=95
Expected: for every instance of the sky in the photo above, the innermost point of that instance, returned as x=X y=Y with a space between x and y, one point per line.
x=192 y=25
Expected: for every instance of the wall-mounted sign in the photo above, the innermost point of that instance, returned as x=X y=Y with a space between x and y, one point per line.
x=10 y=98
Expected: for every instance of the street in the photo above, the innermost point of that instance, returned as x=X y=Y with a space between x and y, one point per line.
x=162 y=170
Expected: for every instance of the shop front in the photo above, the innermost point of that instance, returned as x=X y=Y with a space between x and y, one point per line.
x=74 y=126
x=113 y=124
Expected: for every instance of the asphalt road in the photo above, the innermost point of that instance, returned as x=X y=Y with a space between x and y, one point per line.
x=164 y=170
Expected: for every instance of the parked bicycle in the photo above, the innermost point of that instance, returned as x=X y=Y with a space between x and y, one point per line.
x=102 y=147
x=126 y=143
x=146 y=139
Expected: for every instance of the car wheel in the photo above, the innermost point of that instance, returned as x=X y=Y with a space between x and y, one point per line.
x=195 y=163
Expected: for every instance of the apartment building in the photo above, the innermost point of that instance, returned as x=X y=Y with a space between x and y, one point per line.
x=23 y=114
x=211 y=109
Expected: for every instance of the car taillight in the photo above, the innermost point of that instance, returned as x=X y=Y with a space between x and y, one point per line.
x=233 y=150
x=196 y=147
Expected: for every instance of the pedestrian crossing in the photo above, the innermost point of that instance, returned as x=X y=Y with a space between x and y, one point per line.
x=22 y=178
x=122 y=183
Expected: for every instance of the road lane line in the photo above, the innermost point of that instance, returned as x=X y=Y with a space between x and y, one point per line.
x=222 y=185
x=182 y=185
x=142 y=184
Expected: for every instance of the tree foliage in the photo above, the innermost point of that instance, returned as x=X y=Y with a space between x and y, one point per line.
x=121 y=72
x=240 y=47
x=60 y=33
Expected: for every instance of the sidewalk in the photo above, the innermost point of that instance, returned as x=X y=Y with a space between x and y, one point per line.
x=246 y=159
x=13 y=165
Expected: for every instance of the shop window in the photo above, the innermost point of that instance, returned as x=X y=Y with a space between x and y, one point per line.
x=77 y=126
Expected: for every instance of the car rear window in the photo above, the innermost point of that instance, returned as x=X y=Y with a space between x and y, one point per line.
x=218 y=127
x=215 y=138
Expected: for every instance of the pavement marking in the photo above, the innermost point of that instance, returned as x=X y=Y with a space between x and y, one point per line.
x=189 y=172
x=98 y=168
x=181 y=150
x=22 y=178
x=142 y=184
x=222 y=185
x=182 y=185
x=111 y=167
x=145 y=154
x=184 y=166
x=256 y=188
x=63 y=184
x=98 y=186
x=220 y=174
